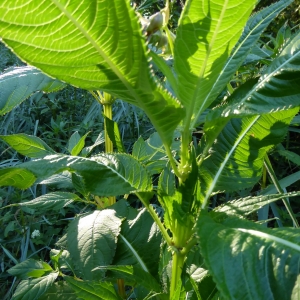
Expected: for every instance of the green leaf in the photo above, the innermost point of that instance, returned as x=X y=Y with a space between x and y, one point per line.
x=136 y=275
x=106 y=51
x=248 y=205
x=18 y=178
x=28 y=145
x=255 y=26
x=32 y=289
x=59 y=291
x=104 y=174
x=51 y=201
x=152 y=153
x=249 y=261
x=139 y=242
x=235 y=160
x=30 y=268
x=291 y=156
x=114 y=134
x=100 y=140
x=92 y=241
x=17 y=84
x=277 y=89
x=76 y=143
x=91 y=290
x=207 y=32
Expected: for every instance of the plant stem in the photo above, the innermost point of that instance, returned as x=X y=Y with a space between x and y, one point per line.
x=177 y=266
x=121 y=288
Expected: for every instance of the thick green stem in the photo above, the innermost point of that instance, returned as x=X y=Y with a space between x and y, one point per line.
x=177 y=266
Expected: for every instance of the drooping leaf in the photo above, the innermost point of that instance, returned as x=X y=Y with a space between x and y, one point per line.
x=32 y=289
x=248 y=205
x=17 y=84
x=277 y=89
x=249 y=261
x=93 y=290
x=28 y=145
x=138 y=242
x=255 y=26
x=100 y=140
x=235 y=160
x=104 y=174
x=106 y=51
x=30 y=268
x=92 y=241
x=207 y=32
x=51 y=201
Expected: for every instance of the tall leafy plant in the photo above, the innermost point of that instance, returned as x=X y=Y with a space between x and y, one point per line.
x=202 y=253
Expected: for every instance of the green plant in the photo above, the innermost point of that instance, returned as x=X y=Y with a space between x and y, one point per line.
x=202 y=253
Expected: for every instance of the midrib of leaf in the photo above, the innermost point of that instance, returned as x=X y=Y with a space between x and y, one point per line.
x=228 y=63
x=203 y=68
x=102 y=54
x=227 y=157
x=136 y=255
x=264 y=81
x=270 y=237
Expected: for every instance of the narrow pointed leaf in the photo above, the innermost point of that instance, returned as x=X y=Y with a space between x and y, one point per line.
x=99 y=172
x=32 y=289
x=251 y=33
x=76 y=143
x=51 y=201
x=92 y=241
x=92 y=290
x=248 y=205
x=17 y=84
x=236 y=159
x=207 y=32
x=113 y=132
x=106 y=51
x=249 y=261
x=28 y=145
x=277 y=89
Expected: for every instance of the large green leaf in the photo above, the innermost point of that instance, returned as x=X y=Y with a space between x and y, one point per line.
x=59 y=291
x=32 y=289
x=277 y=89
x=28 y=145
x=207 y=32
x=139 y=242
x=93 y=290
x=92 y=240
x=94 y=45
x=104 y=174
x=249 y=261
x=236 y=158
x=17 y=84
x=252 y=31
